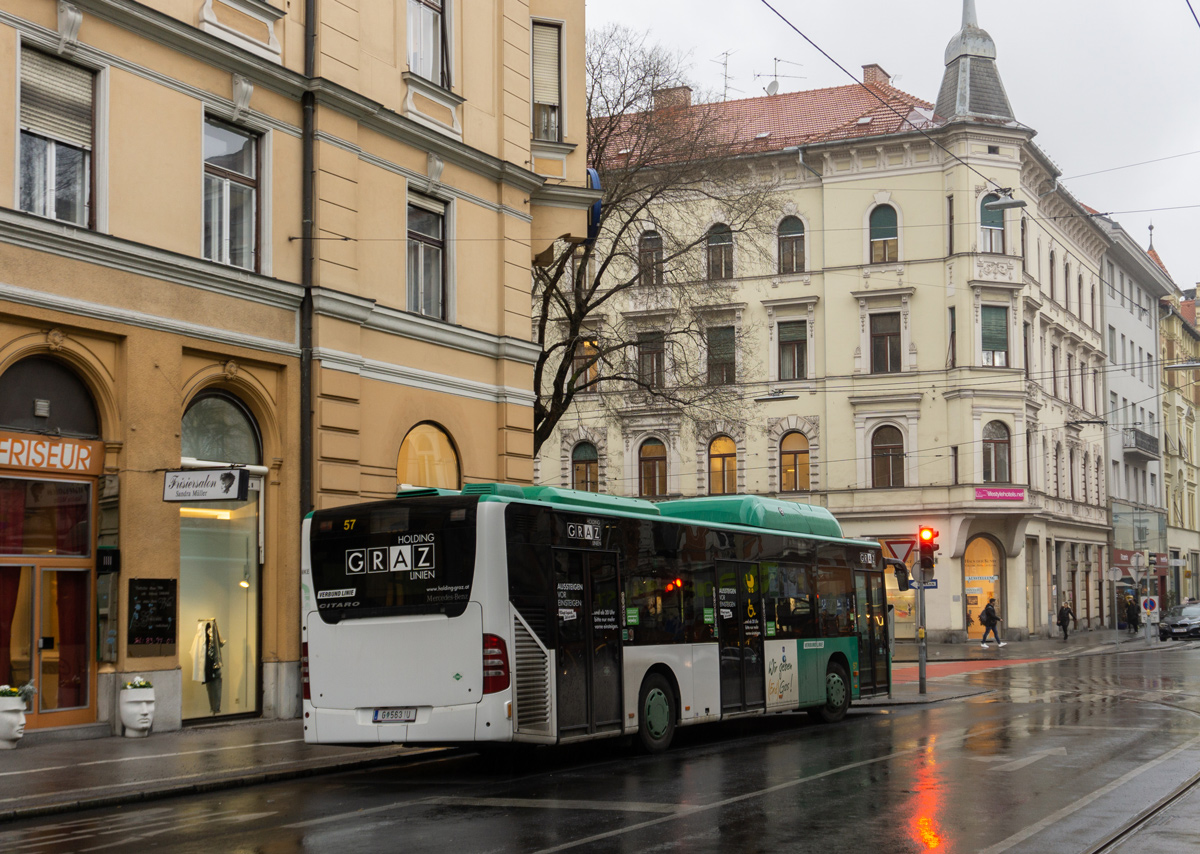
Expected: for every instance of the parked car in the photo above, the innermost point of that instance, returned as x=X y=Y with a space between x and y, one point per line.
x=1180 y=623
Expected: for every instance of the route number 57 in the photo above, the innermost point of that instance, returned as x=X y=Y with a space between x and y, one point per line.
x=348 y=525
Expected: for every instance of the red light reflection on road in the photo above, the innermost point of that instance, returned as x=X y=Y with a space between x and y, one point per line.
x=924 y=825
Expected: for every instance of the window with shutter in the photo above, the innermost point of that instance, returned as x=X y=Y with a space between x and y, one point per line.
x=994 y=328
x=56 y=138
x=885 y=235
x=721 y=358
x=547 y=86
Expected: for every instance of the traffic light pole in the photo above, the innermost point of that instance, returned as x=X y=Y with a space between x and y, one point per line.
x=921 y=651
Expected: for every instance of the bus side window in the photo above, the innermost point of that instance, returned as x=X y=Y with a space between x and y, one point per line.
x=792 y=601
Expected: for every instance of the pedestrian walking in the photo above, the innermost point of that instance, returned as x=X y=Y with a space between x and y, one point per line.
x=990 y=619
x=1065 y=616
x=1133 y=615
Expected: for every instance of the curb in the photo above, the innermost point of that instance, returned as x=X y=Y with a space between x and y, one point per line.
x=215 y=785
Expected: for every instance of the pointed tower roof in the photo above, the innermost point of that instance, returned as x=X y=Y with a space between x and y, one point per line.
x=971 y=87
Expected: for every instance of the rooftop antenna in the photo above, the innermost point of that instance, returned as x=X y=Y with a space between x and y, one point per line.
x=773 y=87
x=723 y=61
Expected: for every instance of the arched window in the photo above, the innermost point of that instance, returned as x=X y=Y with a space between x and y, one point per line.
x=991 y=237
x=218 y=427
x=427 y=458
x=791 y=245
x=996 y=467
x=650 y=258
x=793 y=463
x=887 y=458
x=722 y=466
x=42 y=395
x=720 y=252
x=885 y=235
x=585 y=468
x=652 y=469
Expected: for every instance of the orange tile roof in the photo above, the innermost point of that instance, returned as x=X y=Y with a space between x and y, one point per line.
x=1153 y=253
x=1187 y=307
x=773 y=122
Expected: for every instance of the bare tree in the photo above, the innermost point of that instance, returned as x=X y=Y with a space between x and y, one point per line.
x=626 y=315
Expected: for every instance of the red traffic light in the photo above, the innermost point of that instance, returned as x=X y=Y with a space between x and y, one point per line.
x=927 y=535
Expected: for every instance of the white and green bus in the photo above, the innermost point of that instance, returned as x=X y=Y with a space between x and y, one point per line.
x=502 y=613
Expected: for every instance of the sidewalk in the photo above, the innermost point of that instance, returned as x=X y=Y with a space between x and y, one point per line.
x=1079 y=643
x=56 y=777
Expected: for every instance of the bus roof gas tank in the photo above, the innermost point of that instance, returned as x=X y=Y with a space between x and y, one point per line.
x=755 y=512
x=597 y=501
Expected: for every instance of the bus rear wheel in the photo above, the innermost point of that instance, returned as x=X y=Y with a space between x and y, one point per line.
x=837 y=695
x=656 y=714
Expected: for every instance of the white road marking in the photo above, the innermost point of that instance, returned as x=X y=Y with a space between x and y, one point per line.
x=555 y=804
x=144 y=758
x=1015 y=764
x=1058 y=816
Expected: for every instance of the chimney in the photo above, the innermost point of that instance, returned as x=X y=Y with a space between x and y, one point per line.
x=875 y=74
x=678 y=96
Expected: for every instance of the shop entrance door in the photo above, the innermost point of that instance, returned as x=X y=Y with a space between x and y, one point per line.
x=589 y=643
x=45 y=626
x=740 y=621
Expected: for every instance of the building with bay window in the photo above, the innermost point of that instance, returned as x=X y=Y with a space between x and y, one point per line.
x=240 y=241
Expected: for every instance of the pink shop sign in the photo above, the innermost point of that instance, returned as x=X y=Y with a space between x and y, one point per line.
x=987 y=493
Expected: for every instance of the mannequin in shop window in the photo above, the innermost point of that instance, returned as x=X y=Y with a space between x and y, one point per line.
x=206 y=661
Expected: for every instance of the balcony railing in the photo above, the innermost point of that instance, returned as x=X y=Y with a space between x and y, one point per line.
x=1140 y=443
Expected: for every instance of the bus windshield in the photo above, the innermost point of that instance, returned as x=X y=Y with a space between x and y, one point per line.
x=395 y=558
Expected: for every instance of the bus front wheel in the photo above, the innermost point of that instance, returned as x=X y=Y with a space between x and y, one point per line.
x=837 y=695
x=656 y=713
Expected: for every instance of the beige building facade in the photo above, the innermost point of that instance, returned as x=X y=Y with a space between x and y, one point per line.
x=223 y=250
x=908 y=350
x=1180 y=343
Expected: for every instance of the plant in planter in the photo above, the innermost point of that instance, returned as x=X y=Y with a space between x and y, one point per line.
x=12 y=713
x=137 y=707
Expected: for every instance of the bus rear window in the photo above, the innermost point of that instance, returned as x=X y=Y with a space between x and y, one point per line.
x=408 y=556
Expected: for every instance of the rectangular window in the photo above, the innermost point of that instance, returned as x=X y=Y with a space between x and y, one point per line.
x=950 y=225
x=951 y=350
x=230 y=195
x=993 y=321
x=885 y=343
x=1054 y=371
x=547 y=87
x=56 y=139
x=587 y=368
x=427 y=41
x=1070 y=378
x=427 y=258
x=1025 y=342
x=954 y=464
x=651 y=354
x=721 y=356
x=1112 y=344
x=793 y=350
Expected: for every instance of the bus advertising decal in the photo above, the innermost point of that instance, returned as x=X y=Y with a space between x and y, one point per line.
x=416 y=558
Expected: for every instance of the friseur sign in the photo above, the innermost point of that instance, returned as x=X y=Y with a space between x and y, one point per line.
x=206 y=485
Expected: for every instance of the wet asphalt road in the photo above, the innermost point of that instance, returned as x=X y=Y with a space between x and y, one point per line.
x=1057 y=757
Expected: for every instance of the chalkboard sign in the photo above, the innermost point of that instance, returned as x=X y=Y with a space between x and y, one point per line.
x=152 y=623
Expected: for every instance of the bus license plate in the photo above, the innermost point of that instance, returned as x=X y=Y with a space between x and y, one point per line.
x=395 y=716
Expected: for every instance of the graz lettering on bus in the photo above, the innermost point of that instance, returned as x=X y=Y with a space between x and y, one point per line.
x=583 y=531
x=867 y=557
x=414 y=556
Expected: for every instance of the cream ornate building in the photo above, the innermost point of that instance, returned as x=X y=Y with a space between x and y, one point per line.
x=295 y=238
x=908 y=352
x=1180 y=342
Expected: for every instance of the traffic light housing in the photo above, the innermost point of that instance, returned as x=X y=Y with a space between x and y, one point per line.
x=901 y=570
x=927 y=544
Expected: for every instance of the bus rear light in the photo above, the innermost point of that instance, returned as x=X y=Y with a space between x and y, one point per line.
x=495 y=665
x=306 y=691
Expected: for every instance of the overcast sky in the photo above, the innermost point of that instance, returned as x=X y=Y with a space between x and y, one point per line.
x=1105 y=83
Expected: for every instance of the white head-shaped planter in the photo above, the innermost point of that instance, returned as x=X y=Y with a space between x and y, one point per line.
x=137 y=711
x=12 y=724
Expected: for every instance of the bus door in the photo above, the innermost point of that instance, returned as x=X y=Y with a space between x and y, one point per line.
x=740 y=632
x=872 y=633
x=589 y=642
